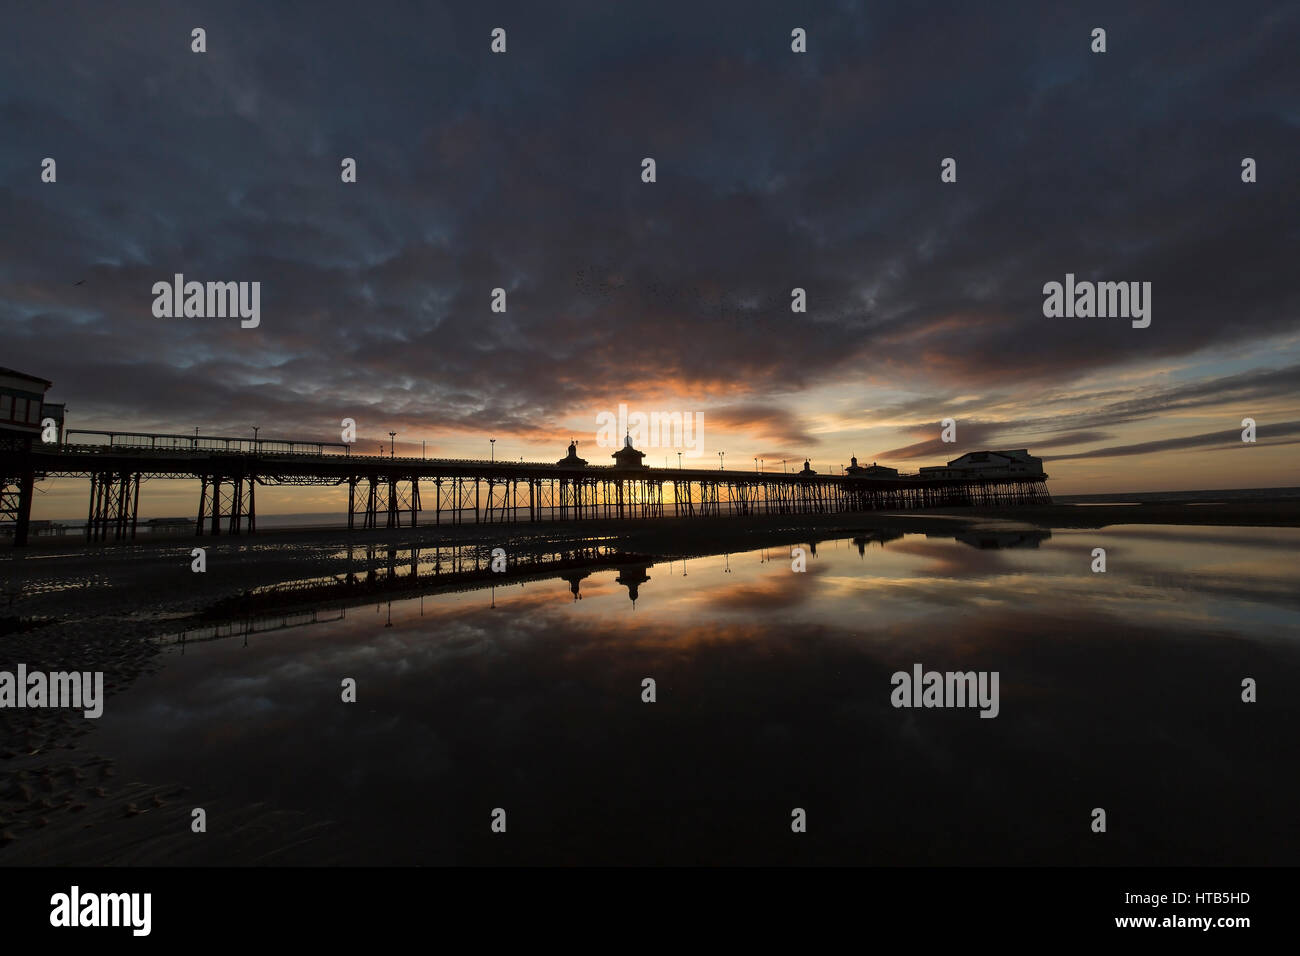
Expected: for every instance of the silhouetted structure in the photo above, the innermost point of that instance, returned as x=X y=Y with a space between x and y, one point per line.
x=22 y=408
x=230 y=469
x=871 y=471
x=628 y=457
x=571 y=460
x=987 y=464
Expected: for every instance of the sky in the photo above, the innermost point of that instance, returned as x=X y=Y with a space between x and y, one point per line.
x=774 y=170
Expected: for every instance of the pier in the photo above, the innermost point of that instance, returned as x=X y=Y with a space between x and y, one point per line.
x=395 y=492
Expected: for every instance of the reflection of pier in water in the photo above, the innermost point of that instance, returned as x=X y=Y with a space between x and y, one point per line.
x=989 y=539
x=389 y=573
x=253 y=625
x=878 y=536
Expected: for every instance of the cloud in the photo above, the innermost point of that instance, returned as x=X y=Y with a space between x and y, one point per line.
x=1221 y=439
x=776 y=171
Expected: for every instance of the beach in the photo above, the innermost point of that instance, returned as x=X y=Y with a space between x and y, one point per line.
x=120 y=608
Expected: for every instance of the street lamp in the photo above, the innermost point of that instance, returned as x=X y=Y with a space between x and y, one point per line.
x=392 y=451
x=783 y=466
x=679 y=461
x=720 y=465
x=494 y=448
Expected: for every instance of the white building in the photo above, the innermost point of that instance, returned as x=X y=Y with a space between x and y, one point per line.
x=989 y=464
x=21 y=396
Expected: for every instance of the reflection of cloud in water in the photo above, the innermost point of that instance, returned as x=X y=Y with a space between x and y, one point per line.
x=944 y=560
x=780 y=589
x=1117 y=690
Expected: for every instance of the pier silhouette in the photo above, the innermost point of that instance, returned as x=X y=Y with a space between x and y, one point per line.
x=395 y=492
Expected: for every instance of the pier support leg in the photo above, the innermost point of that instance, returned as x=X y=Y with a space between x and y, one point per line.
x=23 y=517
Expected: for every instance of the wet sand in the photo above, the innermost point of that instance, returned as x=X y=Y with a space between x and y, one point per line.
x=68 y=605
x=148 y=582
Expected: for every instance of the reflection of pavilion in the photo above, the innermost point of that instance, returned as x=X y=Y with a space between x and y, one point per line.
x=995 y=540
x=874 y=537
x=574 y=577
x=632 y=577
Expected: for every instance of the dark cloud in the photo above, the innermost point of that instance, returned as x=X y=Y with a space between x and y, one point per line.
x=969 y=435
x=776 y=423
x=1265 y=435
x=522 y=171
x=1247 y=389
